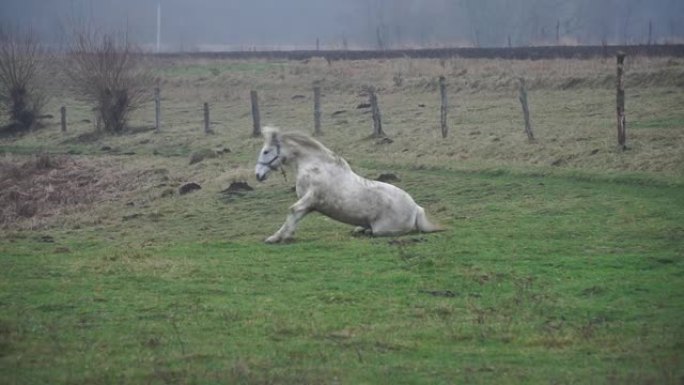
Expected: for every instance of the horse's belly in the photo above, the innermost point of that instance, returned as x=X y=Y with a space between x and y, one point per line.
x=358 y=208
x=346 y=208
x=345 y=216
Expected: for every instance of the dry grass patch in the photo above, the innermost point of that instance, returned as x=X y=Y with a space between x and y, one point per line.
x=35 y=190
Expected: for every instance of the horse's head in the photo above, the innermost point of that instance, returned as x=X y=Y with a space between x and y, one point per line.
x=270 y=156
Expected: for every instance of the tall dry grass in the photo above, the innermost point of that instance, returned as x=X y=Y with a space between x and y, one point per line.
x=572 y=105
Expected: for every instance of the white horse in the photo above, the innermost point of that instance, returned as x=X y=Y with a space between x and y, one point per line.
x=325 y=183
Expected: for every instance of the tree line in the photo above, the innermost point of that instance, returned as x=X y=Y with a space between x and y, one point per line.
x=499 y=23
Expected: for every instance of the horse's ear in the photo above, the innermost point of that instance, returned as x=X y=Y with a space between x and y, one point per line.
x=275 y=137
x=271 y=134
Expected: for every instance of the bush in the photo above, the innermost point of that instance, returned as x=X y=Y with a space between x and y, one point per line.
x=109 y=72
x=20 y=65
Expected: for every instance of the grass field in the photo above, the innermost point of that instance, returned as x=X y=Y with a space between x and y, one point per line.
x=562 y=263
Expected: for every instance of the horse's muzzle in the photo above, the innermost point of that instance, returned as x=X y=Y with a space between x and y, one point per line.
x=261 y=177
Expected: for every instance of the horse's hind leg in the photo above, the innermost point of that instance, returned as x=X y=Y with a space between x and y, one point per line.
x=386 y=227
x=360 y=230
x=297 y=212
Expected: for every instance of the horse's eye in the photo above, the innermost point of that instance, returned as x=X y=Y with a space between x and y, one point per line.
x=265 y=152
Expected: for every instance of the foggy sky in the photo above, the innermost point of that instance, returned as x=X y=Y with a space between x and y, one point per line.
x=284 y=24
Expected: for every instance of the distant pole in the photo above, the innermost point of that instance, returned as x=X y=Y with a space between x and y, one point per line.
x=526 y=110
x=62 y=111
x=158 y=26
x=443 y=108
x=317 y=110
x=650 y=32
x=375 y=110
x=207 y=130
x=620 y=101
x=604 y=44
x=558 y=32
x=256 y=131
x=318 y=45
x=157 y=109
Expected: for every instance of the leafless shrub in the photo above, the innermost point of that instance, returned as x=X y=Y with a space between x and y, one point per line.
x=398 y=79
x=20 y=65
x=108 y=71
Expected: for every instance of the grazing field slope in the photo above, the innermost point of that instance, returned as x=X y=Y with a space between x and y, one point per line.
x=562 y=262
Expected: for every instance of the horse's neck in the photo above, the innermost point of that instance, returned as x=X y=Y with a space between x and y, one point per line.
x=305 y=159
x=309 y=159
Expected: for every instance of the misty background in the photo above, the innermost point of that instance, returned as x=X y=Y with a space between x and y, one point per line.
x=204 y=25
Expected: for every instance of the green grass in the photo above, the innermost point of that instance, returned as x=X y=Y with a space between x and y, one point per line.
x=659 y=123
x=538 y=280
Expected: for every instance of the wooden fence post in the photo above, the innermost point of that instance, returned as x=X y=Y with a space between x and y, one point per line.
x=526 y=110
x=256 y=131
x=62 y=112
x=207 y=129
x=620 y=100
x=443 y=108
x=375 y=110
x=317 y=110
x=157 y=109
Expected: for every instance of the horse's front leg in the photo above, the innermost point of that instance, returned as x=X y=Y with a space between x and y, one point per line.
x=297 y=211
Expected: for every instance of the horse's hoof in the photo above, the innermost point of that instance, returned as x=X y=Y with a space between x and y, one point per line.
x=272 y=239
x=362 y=231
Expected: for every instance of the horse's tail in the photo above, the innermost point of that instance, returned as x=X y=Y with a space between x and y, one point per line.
x=423 y=224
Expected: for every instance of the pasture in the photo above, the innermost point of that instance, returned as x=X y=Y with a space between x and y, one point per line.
x=563 y=261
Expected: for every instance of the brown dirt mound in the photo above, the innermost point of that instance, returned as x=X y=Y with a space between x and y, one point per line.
x=44 y=186
x=238 y=187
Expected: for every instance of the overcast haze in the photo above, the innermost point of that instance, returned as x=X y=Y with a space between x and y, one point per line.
x=284 y=24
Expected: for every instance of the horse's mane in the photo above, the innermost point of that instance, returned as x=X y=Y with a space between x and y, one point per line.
x=305 y=142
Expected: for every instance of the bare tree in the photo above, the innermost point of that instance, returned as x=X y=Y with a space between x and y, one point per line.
x=108 y=71
x=20 y=65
